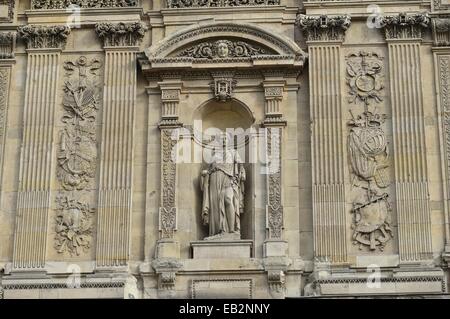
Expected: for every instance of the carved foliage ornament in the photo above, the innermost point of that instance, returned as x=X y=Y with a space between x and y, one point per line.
x=77 y=154
x=364 y=77
x=121 y=34
x=219 y=3
x=73 y=226
x=404 y=26
x=274 y=207
x=4 y=83
x=168 y=166
x=324 y=28
x=223 y=49
x=42 y=37
x=62 y=4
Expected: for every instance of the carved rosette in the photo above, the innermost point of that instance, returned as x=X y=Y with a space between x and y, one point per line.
x=77 y=154
x=7 y=43
x=274 y=205
x=44 y=37
x=223 y=49
x=404 y=26
x=168 y=212
x=324 y=28
x=64 y=4
x=121 y=34
x=219 y=3
x=368 y=154
x=441 y=31
x=73 y=226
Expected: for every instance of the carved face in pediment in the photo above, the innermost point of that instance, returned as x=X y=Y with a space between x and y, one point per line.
x=222 y=49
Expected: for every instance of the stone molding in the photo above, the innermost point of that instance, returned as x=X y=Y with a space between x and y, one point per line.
x=11 y=5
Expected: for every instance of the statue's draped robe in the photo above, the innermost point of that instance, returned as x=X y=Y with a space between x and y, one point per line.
x=224 y=180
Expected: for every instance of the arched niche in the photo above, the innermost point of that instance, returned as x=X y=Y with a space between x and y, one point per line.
x=230 y=116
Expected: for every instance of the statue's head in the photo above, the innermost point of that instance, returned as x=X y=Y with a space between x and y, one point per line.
x=222 y=49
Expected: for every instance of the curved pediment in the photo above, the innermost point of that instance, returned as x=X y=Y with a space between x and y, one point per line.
x=224 y=45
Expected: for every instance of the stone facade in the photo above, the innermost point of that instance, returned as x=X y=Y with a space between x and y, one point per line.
x=107 y=109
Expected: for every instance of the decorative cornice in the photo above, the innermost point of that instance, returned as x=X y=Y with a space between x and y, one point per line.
x=44 y=37
x=441 y=31
x=219 y=3
x=404 y=26
x=121 y=34
x=7 y=43
x=63 y=4
x=324 y=28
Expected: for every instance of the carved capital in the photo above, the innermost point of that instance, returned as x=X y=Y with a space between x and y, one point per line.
x=324 y=28
x=276 y=280
x=219 y=3
x=44 y=37
x=7 y=44
x=441 y=31
x=167 y=269
x=120 y=34
x=63 y=4
x=404 y=26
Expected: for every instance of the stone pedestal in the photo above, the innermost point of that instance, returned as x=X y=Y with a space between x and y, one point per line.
x=222 y=249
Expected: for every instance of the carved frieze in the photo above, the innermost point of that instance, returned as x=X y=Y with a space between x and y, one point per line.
x=404 y=26
x=441 y=31
x=168 y=213
x=63 y=4
x=77 y=154
x=223 y=49
x=73 y=226
x=219 y=3
x=44 y=37
x=364 y=77
x=7 y=43
x=121 y=34
x=10 y=16
x=324 y=28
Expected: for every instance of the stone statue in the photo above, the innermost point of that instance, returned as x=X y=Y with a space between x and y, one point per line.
x=223 y=193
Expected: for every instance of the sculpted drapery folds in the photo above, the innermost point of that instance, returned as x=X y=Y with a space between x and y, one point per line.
x=223 y=193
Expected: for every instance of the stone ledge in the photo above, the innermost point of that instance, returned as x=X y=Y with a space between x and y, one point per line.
x=222 y=249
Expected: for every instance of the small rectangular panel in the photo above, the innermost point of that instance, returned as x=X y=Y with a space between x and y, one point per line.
x=222 y=289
